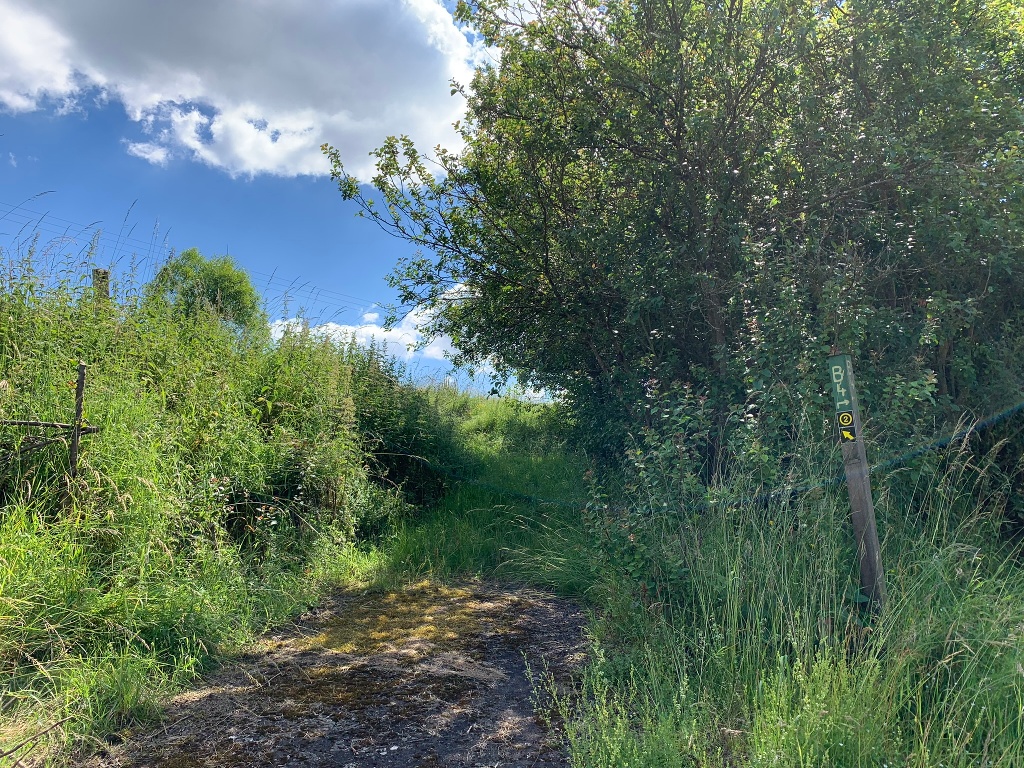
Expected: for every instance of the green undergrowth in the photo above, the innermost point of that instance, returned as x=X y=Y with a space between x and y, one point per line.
x=234 y=479
x=728 y=625
x=514 y=510
x=737 y=634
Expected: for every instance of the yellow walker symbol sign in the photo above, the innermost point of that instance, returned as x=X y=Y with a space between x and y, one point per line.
x=847 y=432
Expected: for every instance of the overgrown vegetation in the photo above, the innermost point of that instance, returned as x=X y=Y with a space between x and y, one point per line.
x=235 y=478
x=729 y=628
x=670 y=213
x=667 y=194
x=232 y=479
x=736 y=633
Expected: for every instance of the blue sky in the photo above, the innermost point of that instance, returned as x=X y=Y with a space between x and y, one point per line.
x=198 y=124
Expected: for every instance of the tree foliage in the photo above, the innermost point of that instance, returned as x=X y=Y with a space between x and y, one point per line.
x=684 y=193
x=192 y=283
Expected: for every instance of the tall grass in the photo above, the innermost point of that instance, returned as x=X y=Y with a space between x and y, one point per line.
x=513 y=511
x=729 y=629
x=235 y=479
x=231 y=482
x=738 y=637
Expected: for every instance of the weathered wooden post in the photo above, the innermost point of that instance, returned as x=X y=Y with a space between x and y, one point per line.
x=76 y=426
x=101 y=283
x=858 y=479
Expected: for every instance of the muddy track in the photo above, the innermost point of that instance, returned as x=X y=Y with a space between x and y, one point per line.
x=429 y=675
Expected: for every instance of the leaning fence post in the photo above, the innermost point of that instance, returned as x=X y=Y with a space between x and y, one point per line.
x=76 y=426
x=858 y=479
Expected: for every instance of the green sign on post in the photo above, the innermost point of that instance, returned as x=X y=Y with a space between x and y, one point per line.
x=838 y=366
x=858 y=480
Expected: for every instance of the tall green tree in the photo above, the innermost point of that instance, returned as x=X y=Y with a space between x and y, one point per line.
x=665 y=192
x=192 y=283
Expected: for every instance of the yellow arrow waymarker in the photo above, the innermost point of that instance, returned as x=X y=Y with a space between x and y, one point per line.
x=848 y=435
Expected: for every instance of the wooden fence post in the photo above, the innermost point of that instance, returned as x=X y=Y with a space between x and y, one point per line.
x=858 y=479
x=101 y=283
x=76 y=426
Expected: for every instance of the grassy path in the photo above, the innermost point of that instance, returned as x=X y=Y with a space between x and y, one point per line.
x=429 y=665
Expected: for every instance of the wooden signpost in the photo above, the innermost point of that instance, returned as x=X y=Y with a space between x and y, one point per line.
x=76 y=425
x=858 y=479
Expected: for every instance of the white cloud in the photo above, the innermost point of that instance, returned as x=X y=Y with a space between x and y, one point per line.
x=12 y=159
x=439 y=349
x=246 y=86
x=401 y=342
x=35 y=58
x=154 y=153
x=407 y=342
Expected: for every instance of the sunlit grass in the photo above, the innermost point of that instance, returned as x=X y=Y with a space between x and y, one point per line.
x=748 y=645
x=724 y=633
x=227 y=489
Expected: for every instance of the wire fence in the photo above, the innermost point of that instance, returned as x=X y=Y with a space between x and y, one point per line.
x=64 y=251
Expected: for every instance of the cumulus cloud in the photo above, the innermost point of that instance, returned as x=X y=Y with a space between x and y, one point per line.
x=246 y=86
x=35 y=58
x=405 y=341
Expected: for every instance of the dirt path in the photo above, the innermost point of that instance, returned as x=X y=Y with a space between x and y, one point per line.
x=426 y=676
